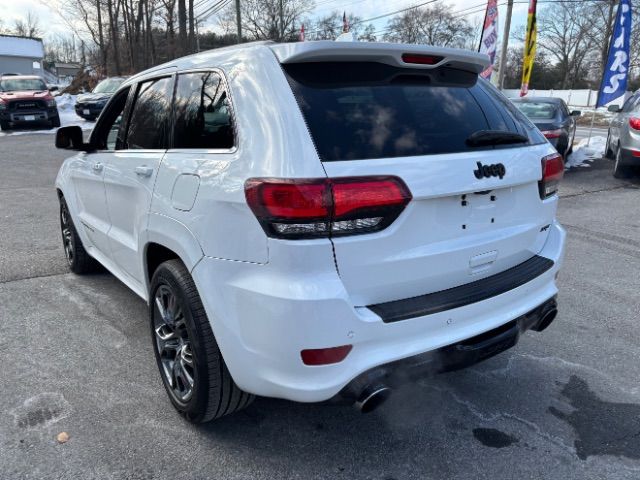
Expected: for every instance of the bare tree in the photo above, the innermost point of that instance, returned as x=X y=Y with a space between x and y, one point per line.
x=330 y=26
x=434 y=25
x=28 y=26
x=564 y=33
x=264 y=19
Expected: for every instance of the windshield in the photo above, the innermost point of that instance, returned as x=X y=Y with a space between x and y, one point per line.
x=15 y=84
x=537 y=110
x=108 y=85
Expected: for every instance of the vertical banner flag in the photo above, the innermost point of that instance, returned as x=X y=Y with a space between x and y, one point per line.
x=489 y=40
x=301 y=38
x=345 y=23
x=529 y=48
x=614 y=78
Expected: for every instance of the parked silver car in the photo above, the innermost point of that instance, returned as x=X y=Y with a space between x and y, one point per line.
x=623 y=141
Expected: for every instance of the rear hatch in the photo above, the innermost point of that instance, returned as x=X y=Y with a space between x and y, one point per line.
x=466 y=220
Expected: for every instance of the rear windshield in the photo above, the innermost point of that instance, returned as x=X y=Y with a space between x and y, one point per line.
x=538 y=110
x=365 y=110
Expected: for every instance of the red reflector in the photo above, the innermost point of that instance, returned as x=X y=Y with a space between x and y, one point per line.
x=325 y=356
x=635 y=153
x=421 y=59
x=552 y=133
x=635 y=123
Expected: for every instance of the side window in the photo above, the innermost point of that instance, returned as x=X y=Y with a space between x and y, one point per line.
x=636 y=106
x=628 y=105
x=150 y=117
x=202 y=112
x=108 y=131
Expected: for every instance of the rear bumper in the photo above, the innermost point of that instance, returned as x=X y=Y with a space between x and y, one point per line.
x=264 y=315
x=452 y=357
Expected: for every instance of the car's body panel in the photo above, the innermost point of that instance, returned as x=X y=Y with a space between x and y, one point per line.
x=266 y=298
x=622 y=136
x=430 y=247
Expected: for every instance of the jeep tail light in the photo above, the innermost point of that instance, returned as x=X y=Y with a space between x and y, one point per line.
x=312 y=208
x=552 y=133
x=552 y=172
x=634 y=122
x=421 y=59
x=325 y=356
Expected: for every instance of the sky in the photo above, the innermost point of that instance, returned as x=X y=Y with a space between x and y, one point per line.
x=472 y=10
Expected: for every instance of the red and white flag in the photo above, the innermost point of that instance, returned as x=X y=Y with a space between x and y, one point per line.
x=301 y=37
x=345 y=23
x=489 y=40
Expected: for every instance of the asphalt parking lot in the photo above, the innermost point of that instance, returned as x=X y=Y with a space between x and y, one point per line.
x=76 y=357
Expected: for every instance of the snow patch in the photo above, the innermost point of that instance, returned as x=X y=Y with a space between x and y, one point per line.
x=583 y=153
x=66 y=109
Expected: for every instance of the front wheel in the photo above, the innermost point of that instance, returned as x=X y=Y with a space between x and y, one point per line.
x=193 y=371
x=55 y=122
x=4 y=126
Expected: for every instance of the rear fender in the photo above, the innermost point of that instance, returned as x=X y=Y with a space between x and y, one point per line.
x=175 y=236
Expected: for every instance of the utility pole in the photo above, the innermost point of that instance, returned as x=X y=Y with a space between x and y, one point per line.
x=238 y=21
x=505 y=45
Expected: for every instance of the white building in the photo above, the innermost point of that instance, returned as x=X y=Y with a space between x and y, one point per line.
x=21 y=55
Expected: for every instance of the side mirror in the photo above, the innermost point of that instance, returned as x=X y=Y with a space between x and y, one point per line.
x=614 y=108
x=576 y=113
x=53 y=88
x=71 y=138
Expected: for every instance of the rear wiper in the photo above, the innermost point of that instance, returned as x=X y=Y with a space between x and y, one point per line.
x=483 y=138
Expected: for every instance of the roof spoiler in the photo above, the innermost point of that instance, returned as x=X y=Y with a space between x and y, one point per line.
x=396 y=54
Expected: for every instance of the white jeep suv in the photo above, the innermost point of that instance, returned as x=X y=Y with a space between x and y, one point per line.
x=318 y=220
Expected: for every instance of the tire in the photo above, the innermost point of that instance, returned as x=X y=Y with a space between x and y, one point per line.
x=55 y=122
x=78 y=259
x=191 y=366
x=619 y=170
x=4 y=126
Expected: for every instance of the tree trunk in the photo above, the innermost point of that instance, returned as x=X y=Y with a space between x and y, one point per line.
x=103 y=50
x=113 y=27
x=192 y=33
x=182 y=27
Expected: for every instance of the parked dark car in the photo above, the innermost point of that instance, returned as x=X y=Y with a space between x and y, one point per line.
x=89 y=105
x=26 y=100
x=553 y=119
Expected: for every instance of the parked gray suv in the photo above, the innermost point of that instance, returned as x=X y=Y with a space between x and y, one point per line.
x=623 y=141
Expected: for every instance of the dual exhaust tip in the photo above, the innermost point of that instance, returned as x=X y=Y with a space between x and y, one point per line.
x=370 y=391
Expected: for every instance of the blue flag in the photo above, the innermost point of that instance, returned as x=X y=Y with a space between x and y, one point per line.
x=614 y=80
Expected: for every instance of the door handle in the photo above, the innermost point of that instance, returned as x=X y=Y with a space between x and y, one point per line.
x=97 y=167
x=144 y=171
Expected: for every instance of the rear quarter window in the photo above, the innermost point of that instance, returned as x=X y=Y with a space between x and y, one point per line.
x=366 y=110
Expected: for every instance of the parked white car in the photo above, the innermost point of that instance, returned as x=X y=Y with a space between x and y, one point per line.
x=318 y=220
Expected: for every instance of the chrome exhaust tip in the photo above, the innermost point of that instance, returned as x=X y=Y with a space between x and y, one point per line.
x=371 y=397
